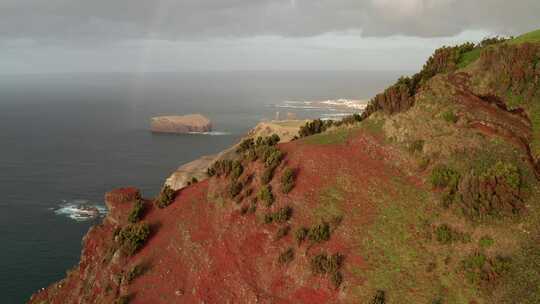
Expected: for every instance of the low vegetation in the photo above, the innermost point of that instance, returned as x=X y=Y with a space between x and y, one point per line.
x=137 y=211
x=286 y=256
x=322 y=264
x=166 y=197
x=266 y=196
x=443 y=176
x=478 y=268
x=446 y=235
x=319 y=233
x=281 y=216
x=301 y=235
x=287 y=180
x=134 y=272
x=133 y=237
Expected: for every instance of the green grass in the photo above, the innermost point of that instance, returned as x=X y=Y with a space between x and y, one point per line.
x=469 y=57
x=330 y=137
x=330 y=203
x=397 y=254
x=373 y=125
x=535 y=119
x=533 y=36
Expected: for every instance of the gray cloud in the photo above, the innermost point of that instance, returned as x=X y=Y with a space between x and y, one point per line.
x=110 y=20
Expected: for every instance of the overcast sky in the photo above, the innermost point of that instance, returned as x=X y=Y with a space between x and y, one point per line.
x=45 y=36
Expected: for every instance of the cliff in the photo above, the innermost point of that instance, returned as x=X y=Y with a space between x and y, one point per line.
x=185 y=174
x=180 y=124
x=432 y=196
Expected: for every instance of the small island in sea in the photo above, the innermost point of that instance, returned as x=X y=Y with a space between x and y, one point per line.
x=192 y=123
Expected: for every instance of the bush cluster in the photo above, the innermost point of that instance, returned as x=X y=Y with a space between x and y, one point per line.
x=319 y=126
x=137 y=211
x=314 y=127
x=225 y=167
x=266 y=196
x=287 y=180
x=133 y=237
x=134 y=272
x=505 y=171
x=446 y=235
x=319 y=233
x=193 y=181
x=443 y=176
x=323 y=264
x=166 y=197
x=478 y=267
x=281 y=216
x=235 y=188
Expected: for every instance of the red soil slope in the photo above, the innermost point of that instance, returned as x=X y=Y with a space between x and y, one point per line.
x=203 y=250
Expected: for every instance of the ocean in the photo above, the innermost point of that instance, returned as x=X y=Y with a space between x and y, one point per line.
x=67 y=139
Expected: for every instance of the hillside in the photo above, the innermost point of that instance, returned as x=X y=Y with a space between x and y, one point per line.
x=430 y=196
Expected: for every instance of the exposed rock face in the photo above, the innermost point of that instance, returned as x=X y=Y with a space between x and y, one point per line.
x=180 y=178
x=181 y=124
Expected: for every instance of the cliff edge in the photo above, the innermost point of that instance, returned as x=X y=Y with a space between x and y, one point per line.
x=432 y=195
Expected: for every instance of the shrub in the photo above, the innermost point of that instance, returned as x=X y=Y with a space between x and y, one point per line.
x=166 y=197
x=237 y=170
x=282 y=232
x=379 y=298
x=265 y=195
x=287 y=180
x=136 y=212
x=323 y=264
x=133 y=236
x=319 y=233
x=281 y=216
x=193 y=181
x=273 y=158
x=221 y=167
x=245 y=145
x=267 y=175
x=336 y=278
x=134 y=272
x=446 y=235
x=253 y=206
x=235 y=188
x=301 y=235
x=507 y=172
x=450 y=117
x=314 y=127
x=443 y=176
x=286 y=256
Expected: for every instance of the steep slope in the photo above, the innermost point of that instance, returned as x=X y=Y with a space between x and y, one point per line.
x=431 y=198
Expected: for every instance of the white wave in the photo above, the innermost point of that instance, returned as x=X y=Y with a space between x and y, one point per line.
x=298 y=107
x=336 y=115
x=211 y=133
x=80 y=210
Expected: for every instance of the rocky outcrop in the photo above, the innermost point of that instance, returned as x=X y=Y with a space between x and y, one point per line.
x=286 y=129
x=181 y=124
